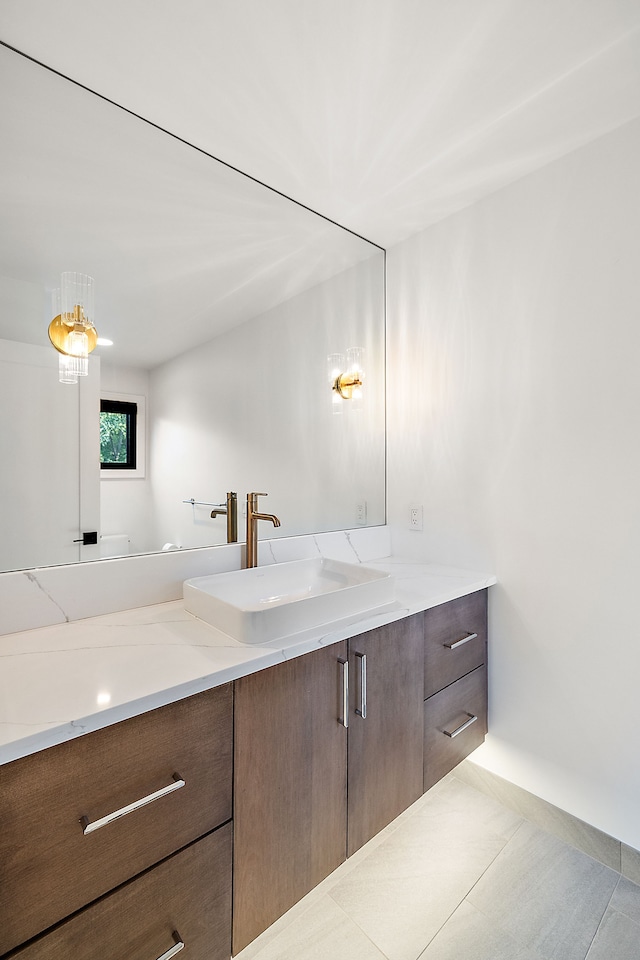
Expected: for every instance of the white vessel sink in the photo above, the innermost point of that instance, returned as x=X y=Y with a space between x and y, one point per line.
x=270 y=602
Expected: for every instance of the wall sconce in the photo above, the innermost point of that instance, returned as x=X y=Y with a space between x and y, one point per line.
x=71 y=331
x=346 y=375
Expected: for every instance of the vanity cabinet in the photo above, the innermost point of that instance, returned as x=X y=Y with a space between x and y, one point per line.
x=185 y=899
x=60 y=848
x=385 y=754
x=455 y=683
x=290 y=786
x=277 y=777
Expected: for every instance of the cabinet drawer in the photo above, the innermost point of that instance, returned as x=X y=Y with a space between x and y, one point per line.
x=455 y=639
x=43 y=799
x=450 y=733
x=188 y=895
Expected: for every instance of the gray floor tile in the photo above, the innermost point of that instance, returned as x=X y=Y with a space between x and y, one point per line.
x=545 y=815
x=402 y=894
x=631 y=863
x=546 y=894
x=461 y=807
x=618 y=938
x=400 y=917
x=626 y=899
x=322 y=932
x=470 y=935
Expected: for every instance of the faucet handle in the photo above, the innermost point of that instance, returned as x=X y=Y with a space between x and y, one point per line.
x=257 y=494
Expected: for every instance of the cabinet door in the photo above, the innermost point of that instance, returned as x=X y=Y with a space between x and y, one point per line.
x=386 y=745
x=186 y=898
x=290 y=786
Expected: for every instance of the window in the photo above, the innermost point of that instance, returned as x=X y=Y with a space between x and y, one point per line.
x=123 y=443
x=118 y=434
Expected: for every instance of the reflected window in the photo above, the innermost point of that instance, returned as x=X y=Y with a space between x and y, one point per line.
x=118 y=427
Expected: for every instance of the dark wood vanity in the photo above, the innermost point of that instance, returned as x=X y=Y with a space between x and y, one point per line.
x=286 y=764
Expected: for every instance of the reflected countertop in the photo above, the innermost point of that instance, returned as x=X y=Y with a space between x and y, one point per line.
x=59 y=682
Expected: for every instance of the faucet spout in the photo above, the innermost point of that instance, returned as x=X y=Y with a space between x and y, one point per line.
x=253 y=515
x=267 y=516
x=230 y=511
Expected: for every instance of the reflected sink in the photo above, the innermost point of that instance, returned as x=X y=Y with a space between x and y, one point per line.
x=275 y=601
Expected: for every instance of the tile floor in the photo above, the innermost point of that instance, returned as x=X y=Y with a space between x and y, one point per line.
x=458 y=876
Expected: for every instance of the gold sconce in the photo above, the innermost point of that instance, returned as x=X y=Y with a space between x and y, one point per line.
x=71 y=331
x=346 y=375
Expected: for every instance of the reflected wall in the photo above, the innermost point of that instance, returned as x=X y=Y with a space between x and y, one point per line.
x=253 y=410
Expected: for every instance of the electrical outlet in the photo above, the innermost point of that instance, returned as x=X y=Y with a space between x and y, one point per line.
x=361 y=513
x=415 y=517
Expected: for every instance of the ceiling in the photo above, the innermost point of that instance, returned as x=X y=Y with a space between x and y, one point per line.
x=182 y=247
x=384 y=115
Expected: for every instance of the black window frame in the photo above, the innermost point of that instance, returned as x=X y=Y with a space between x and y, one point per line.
x=131 y=410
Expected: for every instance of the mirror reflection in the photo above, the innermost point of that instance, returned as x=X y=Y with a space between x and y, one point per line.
x=223 y=301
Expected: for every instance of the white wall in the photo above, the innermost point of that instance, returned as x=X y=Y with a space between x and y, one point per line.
x=126 y=505
x=514 y=412
x=48 y=482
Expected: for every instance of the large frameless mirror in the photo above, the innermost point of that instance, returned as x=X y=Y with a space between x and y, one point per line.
x=224 y=301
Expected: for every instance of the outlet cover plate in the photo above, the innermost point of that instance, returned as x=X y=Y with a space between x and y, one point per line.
x=415 y=517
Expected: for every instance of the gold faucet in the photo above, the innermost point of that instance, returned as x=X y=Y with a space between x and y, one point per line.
x=231 y=513
x=252 y=526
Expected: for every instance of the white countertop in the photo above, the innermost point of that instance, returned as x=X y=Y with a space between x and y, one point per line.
x=61 y=681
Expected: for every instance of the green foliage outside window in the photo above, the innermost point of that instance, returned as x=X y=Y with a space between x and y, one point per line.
x=113 y=437
x=118 y=425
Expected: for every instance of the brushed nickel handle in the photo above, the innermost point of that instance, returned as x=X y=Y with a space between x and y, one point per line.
x=176 y=948
x=452 y=644
x=88 y=827
x=463 y=726
x=344 y=719
x=362 y=710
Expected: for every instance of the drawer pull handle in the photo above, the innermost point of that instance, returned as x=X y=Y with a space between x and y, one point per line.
x=463 y=726
x=88 y=827
x=361 y=711
x=176 y=948
x=344 y=719
x=452 y=644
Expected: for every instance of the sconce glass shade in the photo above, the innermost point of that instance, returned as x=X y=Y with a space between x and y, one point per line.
x=335 y=366
x=66 y=372
x=71 y=368
x=355 y=372
x=71 y=331
x=77 y=289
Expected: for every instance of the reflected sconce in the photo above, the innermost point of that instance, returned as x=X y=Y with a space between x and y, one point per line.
x=346 y=375
x=71 y=331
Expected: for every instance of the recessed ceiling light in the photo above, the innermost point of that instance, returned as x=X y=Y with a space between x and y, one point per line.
x=103 y=342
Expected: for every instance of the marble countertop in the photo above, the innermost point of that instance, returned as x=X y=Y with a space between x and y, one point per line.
x=59 y=682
